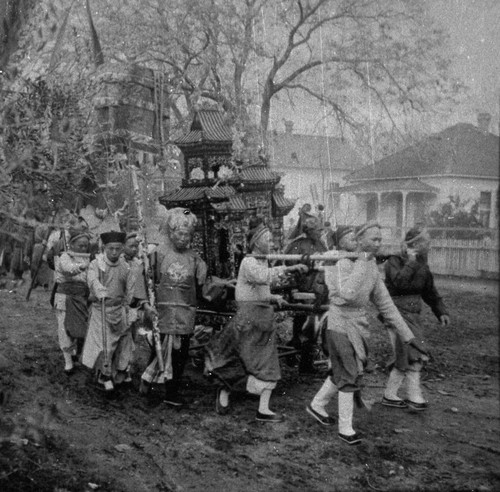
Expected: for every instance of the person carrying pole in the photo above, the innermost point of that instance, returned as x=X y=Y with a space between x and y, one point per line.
x=351 y=286
x=249 y=340
x=409 y=281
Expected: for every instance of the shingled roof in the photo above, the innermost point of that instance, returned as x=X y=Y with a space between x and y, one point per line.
x=460 y=150
x=208 y=125
x=388 y=185
x=289 y=151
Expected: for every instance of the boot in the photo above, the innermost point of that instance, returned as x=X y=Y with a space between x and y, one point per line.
x=317 y=406
x=68 y=363
x=416 y=400
x=391 y=398
x=346 y=409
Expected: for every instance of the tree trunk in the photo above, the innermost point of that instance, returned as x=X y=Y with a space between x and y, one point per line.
x=13 y=15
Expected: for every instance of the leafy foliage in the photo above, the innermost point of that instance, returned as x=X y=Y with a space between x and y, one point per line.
x=457 y=214
x=44 y=149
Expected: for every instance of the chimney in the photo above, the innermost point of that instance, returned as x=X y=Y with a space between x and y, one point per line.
x=289 y=127
x=483 y=122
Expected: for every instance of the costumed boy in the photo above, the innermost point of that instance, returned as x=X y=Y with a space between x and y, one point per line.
x=249 y=340
x=109 y=346
x=71 y=296
x=351 y=286
x=409 y=281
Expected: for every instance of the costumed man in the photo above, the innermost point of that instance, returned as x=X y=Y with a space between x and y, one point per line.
x=409 y=281
x=352 y=285
x=303 y=337
x=244 y=355
x=304 y=213
x=180 y=273
x=109 y=346
x=71 y=297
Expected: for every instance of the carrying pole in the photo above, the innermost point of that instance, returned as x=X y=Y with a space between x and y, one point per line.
x=331 y=257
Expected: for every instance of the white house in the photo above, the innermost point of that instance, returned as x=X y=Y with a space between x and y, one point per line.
x=403 y=188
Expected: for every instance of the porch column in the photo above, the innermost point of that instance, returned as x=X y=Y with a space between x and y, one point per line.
x=404 y=214
x=379 y=201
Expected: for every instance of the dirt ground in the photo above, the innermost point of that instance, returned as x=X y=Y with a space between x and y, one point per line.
x=58 y=433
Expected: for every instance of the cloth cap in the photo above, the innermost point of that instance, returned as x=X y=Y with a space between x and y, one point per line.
x=131 y=235
x=113 y=237
x=256 y=229
x=77 y=230
x=369 y=225
x=416 y=234
x=342 y=230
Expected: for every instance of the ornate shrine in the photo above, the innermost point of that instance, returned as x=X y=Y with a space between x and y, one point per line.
x=224 y=194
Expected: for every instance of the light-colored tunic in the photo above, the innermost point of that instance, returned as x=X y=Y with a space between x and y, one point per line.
x=116 y=280
x=249 y=339
x=70 y=301
x=351 y=286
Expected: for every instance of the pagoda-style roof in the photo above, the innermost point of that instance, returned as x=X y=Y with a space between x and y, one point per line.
x=234 y=204
x=208 y=126
x=192 y=194
x=256 y=175
x=282 y=204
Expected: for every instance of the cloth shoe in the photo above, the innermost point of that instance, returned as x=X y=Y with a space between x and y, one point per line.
x=394 y=403
x=418 y=407
x=320 y=418
x=272 y=418
x=351 y=440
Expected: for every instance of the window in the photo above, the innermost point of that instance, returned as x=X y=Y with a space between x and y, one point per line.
x=485 y=208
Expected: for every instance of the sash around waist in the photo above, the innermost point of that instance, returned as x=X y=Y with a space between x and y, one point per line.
x=111 y=302
x=411 y=303
x=73 y=289
x=349 y=311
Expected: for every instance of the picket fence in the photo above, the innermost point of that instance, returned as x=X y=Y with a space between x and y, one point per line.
x=459 y=257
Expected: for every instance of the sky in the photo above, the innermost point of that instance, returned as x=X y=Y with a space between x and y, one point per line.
x=474 y=30
x=475 y=42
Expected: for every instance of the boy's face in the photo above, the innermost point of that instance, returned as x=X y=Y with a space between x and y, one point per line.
x=131 y=248
x=113 y=251
x=370 y=241
x=80 y=245
x=265 y=243
x=348 y=242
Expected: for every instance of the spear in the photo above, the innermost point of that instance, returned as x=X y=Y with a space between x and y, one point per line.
x=147 y=269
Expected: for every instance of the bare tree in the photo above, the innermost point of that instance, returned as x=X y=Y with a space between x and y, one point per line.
x=242 y=53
